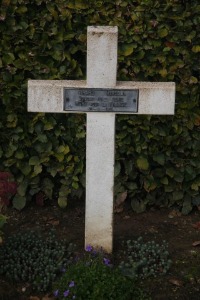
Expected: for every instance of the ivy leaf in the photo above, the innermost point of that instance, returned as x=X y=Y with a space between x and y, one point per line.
x=117 y=168
x=48 y=126
x=21 y=9
x=60 y=156
x=177 y=195
x=132 y=186
x=47 y=187
x=163 y=32
x=8 y=58
x=63 y=149
x=37 y=169
x=126 y=49
x=62 y=202
x=168 y=188
x=75 y=185
x=128 y=167
x=163 y=72
x=193 y=80
x=159 y=158
x=179 y=177
x=80 y=4
x=19 y=154
x=138 y=206
x=42 y=138
x=196 y=48
x=170 y=172
x=22 y=188
x=149 y=184
x=2 y=220
x=80 y=135
x=142 y=163
x=26 y=169
x=164 y=180
x=187 y=205
x=195 y=185
x=34 y=160
x=19 y=202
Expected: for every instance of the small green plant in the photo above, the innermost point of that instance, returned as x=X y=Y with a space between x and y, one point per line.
x=93 y=277
x=31 y=257
x=145 y=259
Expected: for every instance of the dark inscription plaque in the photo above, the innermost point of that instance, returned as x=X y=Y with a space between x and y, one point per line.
x=100 y=100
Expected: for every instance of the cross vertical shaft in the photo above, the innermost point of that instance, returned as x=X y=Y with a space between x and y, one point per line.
x=100 y=140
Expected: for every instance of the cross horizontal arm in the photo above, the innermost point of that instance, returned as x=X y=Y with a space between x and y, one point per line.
x=154 y=97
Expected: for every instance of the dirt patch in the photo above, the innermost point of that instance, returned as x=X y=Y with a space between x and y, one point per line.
x=181 y=282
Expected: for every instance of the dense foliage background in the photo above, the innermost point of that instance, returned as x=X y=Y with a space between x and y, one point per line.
x=157 y=157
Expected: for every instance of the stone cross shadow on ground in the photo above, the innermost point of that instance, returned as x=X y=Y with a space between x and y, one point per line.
x=101 y=97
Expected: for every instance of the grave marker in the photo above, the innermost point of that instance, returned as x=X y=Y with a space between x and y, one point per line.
x=101 y=97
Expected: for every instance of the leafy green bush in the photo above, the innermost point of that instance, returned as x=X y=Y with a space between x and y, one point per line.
x=30 y=257
x=156 y=157
x=145 y=259
x=93 y=277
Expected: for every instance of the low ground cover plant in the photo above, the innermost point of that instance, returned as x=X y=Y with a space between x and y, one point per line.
x=47 y=263
x=142 y=259
x=34 y=258
x=94 y=277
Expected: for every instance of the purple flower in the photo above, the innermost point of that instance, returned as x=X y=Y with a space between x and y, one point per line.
x=106 y=261
x=71 y=284
x=56 y=293
x=66 y=293
x=88 y=248
x=63 y=270
x=94 y=252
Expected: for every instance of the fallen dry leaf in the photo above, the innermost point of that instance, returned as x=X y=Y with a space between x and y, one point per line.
x=119 y=209
x=176 y=282
x=197 y=243
x=51 y=220
x=153 y=230
x=54 y=222
x=126 y=217
x=174 y=213
x=34 y=298
x=196 y=225
x=119 y=202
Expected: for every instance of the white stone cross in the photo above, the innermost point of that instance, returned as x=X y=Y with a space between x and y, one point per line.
x=49 y=96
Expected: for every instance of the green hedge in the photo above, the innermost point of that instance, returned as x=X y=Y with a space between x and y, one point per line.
x=157 y=157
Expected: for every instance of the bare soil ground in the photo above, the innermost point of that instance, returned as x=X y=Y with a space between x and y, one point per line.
x=181 y=232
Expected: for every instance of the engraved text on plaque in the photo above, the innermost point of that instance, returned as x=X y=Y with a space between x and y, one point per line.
x=105 y=100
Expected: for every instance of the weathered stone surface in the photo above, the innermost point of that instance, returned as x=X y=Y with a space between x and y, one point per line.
x=154 y=98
